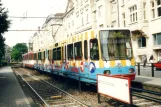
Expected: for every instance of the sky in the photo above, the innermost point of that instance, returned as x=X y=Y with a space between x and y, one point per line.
x=29 y=8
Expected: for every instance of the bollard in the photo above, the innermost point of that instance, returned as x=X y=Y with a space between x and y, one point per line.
x=131 y=102
x=138 y=68
x=152 y=69
x=99 y=101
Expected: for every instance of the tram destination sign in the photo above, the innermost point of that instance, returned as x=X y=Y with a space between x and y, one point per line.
x=114 y=87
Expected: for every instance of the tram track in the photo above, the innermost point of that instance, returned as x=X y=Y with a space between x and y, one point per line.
x=137 y=96
x=146 y=95
x=49 y=94
x=146 y=98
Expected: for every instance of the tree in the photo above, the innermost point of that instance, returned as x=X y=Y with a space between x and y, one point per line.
x=18 y=50
x=4 y=21
x=4 y=25
x=2 y=46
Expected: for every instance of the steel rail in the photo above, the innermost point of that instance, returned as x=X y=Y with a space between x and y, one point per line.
x=146 y=97
x=66 y=93
x=80 y=102
x=47 y=105
x=147 y=91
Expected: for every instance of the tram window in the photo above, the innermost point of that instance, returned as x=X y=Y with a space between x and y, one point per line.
x=54 y=54
x=51 y=54
x=85 y=50
x=78 y=50
x=70 y=51
x=94 y=53
x=48 y=53
x=39 y=56
x=43 y=55
x=32 y=56
x=58 y=54
x=35 y=56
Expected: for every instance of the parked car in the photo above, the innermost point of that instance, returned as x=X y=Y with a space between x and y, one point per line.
x=158 y=65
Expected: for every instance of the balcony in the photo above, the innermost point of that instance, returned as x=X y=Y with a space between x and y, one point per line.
x=156 y=47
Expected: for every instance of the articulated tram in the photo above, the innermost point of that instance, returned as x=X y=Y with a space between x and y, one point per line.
x=101 y=51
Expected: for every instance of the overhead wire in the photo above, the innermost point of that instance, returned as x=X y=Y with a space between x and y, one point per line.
x=34 y=17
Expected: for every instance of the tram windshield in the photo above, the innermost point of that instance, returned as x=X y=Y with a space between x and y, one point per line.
x=115 y=44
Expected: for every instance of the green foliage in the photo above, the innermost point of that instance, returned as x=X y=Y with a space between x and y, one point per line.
x=2 y=46
x=4 y=25
x=17 y=51
x=118 y=34
x=4 y=21
x=4 y=62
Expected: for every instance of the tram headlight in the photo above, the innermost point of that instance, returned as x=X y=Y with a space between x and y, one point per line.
x=107 y=72
x=131 y=70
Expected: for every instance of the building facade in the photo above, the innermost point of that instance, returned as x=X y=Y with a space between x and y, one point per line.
x=7 y=56
x=143 y=17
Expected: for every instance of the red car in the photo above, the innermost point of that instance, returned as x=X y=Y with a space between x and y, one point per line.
x=158 y=65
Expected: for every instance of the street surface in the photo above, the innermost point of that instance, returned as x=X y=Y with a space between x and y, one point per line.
x=147 y=71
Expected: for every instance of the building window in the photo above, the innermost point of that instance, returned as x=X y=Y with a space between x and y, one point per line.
x=69 y=25
x=94 y=16
x=159 y=8
x=77 y=3
x=142 y=42
x=152 y=9
x=144 y=7
x=113 y=7
x=113 y=24
x=87 y=18
x=101 y=26
x=86 y=7
x=122 y=2
x=81 y=2
x=123 y=19
x=73 y=23
x=82 y=21
x=100 y=11
x=81 y=11
x=157 y=39
x=133 y=14
x=156 y=8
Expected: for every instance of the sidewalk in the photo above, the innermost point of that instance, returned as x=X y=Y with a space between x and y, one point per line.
x=148 y=80
x=11 y=93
